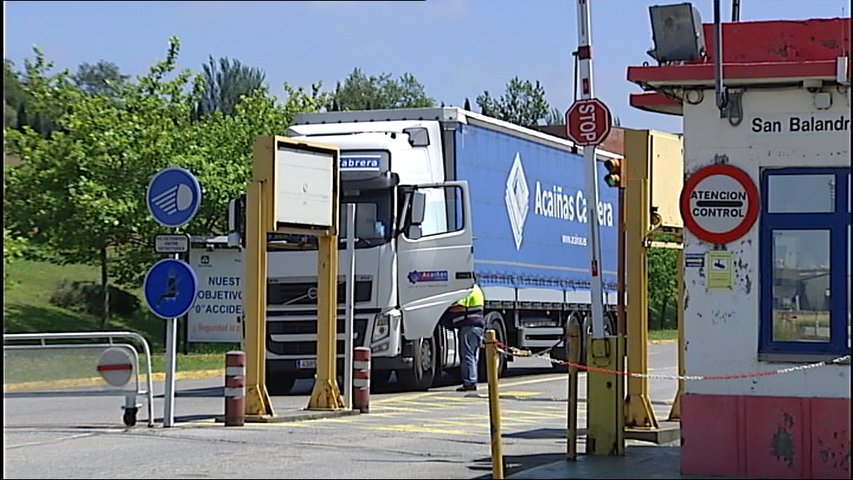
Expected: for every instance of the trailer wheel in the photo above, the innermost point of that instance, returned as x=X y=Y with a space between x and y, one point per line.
x=129 y=416
x=494 y=321
x=425 y=360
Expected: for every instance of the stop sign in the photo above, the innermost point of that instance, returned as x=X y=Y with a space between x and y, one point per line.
x=588 y=122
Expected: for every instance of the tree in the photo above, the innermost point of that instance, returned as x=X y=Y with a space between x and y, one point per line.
x=523 y=103
x=81 y=192
x=225 y=83
x=555 y=117
x=21 y=108
x=103 y=78
x=363 y=92
x=663 y=268
x=14 y=96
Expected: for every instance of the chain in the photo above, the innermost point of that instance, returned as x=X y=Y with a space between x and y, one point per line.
x=517 y=352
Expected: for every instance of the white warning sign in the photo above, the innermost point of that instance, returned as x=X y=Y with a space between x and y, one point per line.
x=217 y=315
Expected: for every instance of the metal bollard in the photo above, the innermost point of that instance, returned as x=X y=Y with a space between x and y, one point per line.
x=235 y=389
x=361 y=379
x=492 y=362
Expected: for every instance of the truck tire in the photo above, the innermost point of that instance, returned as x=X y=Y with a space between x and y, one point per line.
x=280 y=384
x=423 y=371
x=494 y=321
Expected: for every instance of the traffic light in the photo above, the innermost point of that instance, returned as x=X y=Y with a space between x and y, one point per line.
x=614 y=173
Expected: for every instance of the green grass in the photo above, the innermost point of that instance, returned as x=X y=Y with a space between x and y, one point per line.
x=27 y=309
x=662 y=335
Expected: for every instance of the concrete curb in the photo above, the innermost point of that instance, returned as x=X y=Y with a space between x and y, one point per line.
x=98 y=381
x=295 y=416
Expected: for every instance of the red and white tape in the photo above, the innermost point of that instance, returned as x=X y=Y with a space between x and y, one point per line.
x=507 y=350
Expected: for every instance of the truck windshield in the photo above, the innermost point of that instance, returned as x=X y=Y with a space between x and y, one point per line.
x=373 y=222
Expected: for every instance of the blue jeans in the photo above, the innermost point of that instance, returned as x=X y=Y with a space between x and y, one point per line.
x=471 y=338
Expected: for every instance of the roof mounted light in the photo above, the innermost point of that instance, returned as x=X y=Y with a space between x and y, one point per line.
x=677 y=33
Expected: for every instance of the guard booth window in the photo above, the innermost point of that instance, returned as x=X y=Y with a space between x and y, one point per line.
x=805 y=263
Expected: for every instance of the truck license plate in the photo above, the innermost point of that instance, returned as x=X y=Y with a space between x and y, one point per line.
x=306 y=363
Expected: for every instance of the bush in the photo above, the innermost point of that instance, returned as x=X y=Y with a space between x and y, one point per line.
x=88 y=297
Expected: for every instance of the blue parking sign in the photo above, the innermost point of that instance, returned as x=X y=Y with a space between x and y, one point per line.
x=173 y=197
x=170 y=288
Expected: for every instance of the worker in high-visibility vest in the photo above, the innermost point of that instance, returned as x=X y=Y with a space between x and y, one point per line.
x=467 y=316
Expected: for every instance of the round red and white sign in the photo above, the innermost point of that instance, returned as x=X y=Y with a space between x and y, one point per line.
x=719 y=203
x=116 y=366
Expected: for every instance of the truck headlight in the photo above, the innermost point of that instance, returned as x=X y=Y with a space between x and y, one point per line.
x=382 y=325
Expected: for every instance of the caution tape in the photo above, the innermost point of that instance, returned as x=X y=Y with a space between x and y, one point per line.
x=517 y=352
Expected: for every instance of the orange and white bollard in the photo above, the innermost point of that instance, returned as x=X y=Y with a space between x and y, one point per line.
x=361 y=379
x=235 y=389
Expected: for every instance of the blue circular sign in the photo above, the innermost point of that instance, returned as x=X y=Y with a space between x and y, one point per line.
x=173 y=196
x=170 y=287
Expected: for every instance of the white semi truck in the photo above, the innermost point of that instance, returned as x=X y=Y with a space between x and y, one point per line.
x=443 y=196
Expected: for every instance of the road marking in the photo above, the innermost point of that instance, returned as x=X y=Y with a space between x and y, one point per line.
x=53 y=440
x=405 y=409
x=519 y=393
x=550 y=378
x=535 y=414
x=418 y=429
x=425 y=404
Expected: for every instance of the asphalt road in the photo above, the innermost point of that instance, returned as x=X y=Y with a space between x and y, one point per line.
x=440 y=433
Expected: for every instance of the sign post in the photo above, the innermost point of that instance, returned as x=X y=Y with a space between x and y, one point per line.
x=171 y=285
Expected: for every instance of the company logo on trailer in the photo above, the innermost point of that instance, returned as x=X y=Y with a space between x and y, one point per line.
x=517 y=200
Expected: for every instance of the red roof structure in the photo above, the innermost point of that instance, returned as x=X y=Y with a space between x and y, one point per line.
x=754 y=53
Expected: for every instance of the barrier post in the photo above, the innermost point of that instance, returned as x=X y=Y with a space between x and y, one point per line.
x=494 y=407
x=235 y=389
x=361 y=379
x=574 y=360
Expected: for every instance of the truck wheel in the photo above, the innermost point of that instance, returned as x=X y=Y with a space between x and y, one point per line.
x=494 y=321
x=280 y=384
x=422 y=373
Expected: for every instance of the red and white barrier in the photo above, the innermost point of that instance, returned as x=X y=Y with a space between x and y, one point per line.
x=235 y=389
x=361 y=379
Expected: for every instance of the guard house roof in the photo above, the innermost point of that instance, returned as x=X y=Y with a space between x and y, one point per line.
x=755 y=54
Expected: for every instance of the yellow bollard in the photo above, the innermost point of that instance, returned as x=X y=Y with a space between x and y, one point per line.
x=494 y=406
x=574 y=358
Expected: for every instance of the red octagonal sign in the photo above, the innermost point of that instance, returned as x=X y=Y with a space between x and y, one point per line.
x=588 y=122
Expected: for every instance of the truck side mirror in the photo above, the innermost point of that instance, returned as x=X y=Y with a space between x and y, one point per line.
x=237 y=220
x=416 y=215
x=418 y=208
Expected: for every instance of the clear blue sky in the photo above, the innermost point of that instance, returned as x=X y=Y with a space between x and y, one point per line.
x=455 y=48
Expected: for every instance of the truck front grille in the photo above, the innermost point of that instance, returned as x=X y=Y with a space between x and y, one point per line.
x=305 y=293
x=308 y=347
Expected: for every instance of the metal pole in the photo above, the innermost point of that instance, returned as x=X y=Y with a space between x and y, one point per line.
x=492 y=363
x=585 y=68
x=350 y=306
x=171 y=350
x=572 y=420
x=722 y=97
